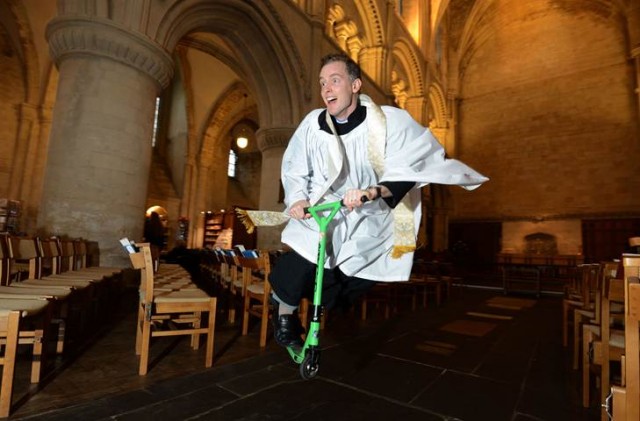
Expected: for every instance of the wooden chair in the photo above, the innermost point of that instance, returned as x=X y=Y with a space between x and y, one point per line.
x=603 y=344
x=425 y=285
x=255 y=278
x=591 y=312
x=170 y=313
x=381 y=294
x=581 y=297
x=36 y=318
x=25 y=254
x=70 y=265
x=9 y=331
x=59 y=296
x=426 y=279
x=631 y=367
x=231 y=282
x=82 y=264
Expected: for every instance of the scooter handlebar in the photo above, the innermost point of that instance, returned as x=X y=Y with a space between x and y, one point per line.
x=363 y=199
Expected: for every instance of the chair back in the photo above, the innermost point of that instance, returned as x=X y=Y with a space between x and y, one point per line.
x=66 y=252
x=48 y=250
x=25 y=257
x=228 y=268
x=590 y=283
x=254 y=269
x=144 y=261
x=80 y=254
x=631 y=264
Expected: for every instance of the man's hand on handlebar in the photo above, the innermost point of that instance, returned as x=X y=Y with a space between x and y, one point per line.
x=297 y=210
x=354 y=198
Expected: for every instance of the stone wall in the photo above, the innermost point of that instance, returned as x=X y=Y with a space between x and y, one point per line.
x=546 y=113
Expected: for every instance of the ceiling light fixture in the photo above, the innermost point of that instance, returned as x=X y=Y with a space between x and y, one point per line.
x=242 y=142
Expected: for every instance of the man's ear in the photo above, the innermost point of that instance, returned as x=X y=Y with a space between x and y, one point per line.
x=356 y=85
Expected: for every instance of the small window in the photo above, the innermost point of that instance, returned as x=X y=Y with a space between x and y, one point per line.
x=233 y=160
x=155 y=123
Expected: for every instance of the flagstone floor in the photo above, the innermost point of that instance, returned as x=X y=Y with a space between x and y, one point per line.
x=479 y=356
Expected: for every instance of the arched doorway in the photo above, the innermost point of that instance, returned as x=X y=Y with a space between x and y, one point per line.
x=163 y=216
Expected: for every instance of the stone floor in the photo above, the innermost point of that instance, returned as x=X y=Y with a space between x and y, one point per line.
x=479 y=356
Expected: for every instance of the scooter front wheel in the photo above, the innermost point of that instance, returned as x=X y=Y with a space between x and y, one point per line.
x=310 y=366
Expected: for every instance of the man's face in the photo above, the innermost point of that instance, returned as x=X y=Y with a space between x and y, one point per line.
x=339 y=93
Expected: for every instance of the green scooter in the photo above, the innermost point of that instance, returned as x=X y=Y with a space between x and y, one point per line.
x=308 y=356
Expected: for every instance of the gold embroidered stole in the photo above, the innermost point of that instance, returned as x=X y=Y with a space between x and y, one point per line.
x=404 y=240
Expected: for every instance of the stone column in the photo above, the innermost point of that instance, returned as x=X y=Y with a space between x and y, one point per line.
x=201 y=202
x=272 y=143
x=440 y=226
x=417 y=107
x=99 y=155
x=34 y=167
x=187 y=206
x=372 y=61
x=451 y=143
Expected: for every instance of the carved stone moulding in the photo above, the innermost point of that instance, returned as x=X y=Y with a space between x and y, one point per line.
x=273 y=138
x=103 y=38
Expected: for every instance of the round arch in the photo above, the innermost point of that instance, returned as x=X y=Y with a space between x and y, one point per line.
x=404 y=55
x=263 y=43
x=438 y=105
x=22 y=39
x=372 y=21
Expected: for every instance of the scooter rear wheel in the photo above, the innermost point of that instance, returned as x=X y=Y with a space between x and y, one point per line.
x=309 y=367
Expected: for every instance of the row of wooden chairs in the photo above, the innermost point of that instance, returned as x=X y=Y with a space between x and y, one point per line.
x=427 y=283
x=624 y=401
x=40 y=300
x=244 y=279
x=605 y=344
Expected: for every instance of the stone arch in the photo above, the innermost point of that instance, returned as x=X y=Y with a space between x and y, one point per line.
x=372 y=22
x=224 y=114
x=31 y=122
x=264 y=43
x=438 y=106
x=22 y=40
x=474 y=35
x=405 y=56
x=437 y=14
x=211 y=173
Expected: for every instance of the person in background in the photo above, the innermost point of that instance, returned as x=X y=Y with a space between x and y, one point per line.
x=350 y=149
x=154 y=235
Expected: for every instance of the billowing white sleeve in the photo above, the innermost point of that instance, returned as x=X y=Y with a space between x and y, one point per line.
x=414 y=154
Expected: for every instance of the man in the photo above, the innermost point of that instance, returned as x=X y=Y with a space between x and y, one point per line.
x=351 y=149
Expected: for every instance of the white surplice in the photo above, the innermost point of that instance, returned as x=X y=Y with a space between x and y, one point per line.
x=360 y=242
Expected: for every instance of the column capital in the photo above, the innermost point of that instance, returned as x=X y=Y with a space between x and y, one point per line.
x=104 y=38
x=274 y=137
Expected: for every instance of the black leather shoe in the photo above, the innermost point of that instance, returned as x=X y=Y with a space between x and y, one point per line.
x=287 y=330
